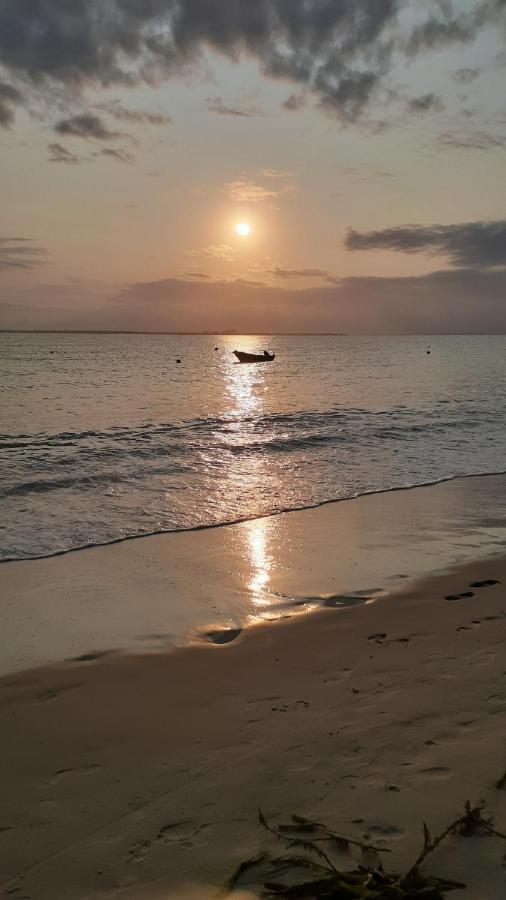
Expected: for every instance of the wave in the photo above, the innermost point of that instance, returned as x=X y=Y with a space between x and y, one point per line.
x=236 y=521
x=306 y=419
x=46 y=485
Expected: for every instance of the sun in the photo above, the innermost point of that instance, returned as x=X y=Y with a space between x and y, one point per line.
x=243 y=229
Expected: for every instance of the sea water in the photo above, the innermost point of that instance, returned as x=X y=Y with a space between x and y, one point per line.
x=104 y=437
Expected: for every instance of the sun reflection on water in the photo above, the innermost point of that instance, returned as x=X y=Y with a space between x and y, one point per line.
x=246 y=388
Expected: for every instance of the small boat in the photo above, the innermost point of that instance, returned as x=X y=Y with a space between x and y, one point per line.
x=254 y=357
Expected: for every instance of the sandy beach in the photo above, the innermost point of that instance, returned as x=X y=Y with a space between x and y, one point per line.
x=252 y=450
x=140 y=775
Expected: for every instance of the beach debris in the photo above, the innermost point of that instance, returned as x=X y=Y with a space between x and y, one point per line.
x=369 y=880
x=243 y=867
x=501 y=784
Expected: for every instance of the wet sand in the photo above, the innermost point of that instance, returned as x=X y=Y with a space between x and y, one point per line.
x=140 y=777
x=156 y=593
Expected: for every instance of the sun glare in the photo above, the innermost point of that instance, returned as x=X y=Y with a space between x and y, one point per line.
x=243 y=229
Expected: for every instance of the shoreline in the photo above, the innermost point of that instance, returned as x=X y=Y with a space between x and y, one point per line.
x=279 y=512
x=134 y=776
x=213 y=583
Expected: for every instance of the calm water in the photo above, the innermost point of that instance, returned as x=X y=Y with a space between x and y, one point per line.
x=104 y=437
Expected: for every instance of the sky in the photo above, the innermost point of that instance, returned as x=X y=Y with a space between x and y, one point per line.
x=362 y=141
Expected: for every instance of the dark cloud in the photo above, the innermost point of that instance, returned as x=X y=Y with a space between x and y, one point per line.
x=137 y=116
x=86 y=125
x=117 y=153
x=437 y=32
x=348 y=96
x=471 y=140
x=294 y=102
x=444 y=27
x=336 y=49
x=20 y=253
x=339 y=51
x=465 y=75
x=216 y=105
x=425 y=103
x=9 y=98
x=471 y=244
x=300 y=273
x=60 y=154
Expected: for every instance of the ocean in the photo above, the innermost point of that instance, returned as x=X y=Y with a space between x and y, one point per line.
x=105 y=437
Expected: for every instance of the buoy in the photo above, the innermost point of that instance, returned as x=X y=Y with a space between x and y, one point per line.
x=178 y=360
x=215 y=348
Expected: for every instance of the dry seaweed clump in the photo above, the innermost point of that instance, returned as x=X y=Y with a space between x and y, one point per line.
x=307 y=870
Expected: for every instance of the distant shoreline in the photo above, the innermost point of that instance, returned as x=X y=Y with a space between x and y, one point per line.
x=181 y=333
x=253 y=333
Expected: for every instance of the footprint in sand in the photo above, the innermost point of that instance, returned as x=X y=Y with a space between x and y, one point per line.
x=222 y=635
x=138 y=851
x=53 y=693
x=79 y=770
x=283 y=707
x=487 y=582
x=91 y=657
x=476 y=622
x=437 y=772
x=180 y=833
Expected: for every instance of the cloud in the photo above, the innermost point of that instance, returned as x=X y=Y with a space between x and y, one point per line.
x=437 y=32
x=244 y=191
x=60 y=154
x=338 y=51
x=444 y=28
x=197 y=275
x=294 y=102
x=471 y=244
x=471 y=140
x=20 y=253
x=9 y=97
x=465 y=75
x=219 y=251
x=348 y=96
x=276 y=173
x=444 y=302
x=365 y=175
x=301 y=273
x=117 y=154
x=425 y=103
x=216 y=105
x=121 y=113
x=86 y=125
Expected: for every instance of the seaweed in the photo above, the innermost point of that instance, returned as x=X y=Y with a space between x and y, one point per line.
x=369 y=881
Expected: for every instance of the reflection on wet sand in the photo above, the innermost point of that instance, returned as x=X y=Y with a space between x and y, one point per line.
x=257 y=536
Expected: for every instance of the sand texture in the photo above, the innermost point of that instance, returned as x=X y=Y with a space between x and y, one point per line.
x=141 y=776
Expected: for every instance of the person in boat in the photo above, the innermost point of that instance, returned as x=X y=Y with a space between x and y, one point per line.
x=266 y=353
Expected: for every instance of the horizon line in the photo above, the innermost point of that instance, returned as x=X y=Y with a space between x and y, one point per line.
x=255 y=333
